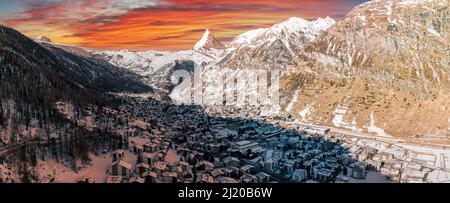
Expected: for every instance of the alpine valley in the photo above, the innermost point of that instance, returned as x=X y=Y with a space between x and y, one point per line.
x=379 y=78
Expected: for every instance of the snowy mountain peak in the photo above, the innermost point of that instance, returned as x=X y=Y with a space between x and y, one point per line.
x=44 y=39
x=325 y=21
x=275 y=46
x=203 y=40
x=208 y=41
x=295 y=24
x=294 y=21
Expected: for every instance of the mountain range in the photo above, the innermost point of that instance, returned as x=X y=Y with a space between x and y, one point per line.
x=382 y=69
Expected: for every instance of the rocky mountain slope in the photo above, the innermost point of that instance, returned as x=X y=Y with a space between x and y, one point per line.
x=99 y=74
x=66 y=47
x=383 y=69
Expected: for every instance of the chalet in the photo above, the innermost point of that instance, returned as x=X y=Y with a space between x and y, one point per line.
x=385 y=156
x=344 y=159
x=150 y=147
x=299 y=175
x=121 y=168
x=247 y=169
x=137 y=149
x=324 y=175
x=231 y=172
x=184 y=165
x=187 y=177
x=245 y=144
x=114 y=179
x=169 y=177
x=205 y=166
x=231 y=162
x=148 y=158
x=214 y=148
x=374 y=164
x=222 y=179
x=86 y=180
x=177 y=169
x=205 y=178
x=248 y=178
x=118 y=155
x=359 y=171
x=342 y=179
x=218 y=163
x=141 y=168
x=263 y=177
x=161 y=156
x=217 y=172
x=150 y=177
x=160 y=167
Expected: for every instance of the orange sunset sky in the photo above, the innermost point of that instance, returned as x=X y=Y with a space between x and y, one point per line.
x=155 y=24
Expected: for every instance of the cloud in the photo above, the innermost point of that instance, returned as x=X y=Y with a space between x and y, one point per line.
x=115 y=7
x=158 y=24
x=133 y=4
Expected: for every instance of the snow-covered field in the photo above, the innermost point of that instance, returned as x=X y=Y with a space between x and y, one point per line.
x=97 y=170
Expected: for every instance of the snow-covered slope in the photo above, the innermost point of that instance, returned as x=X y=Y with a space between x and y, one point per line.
x=209 y=45
x=273 y=47
x=149 y=62
x=156 y=66
x=409 y=39
x=146 y=63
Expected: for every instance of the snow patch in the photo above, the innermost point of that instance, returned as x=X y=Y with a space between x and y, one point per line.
x=44 y=39
x=389 y=11
x=305 y=112
x=433 y=32
x=338 y=116
x=290 y=106
x=338 y=120
x=448 y=123
x=374 y=129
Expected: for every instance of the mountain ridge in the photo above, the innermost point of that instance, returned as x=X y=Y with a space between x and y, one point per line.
x=386 y=64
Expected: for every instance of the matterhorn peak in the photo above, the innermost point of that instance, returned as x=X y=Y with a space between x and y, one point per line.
x=208 y=41
x=44 y=39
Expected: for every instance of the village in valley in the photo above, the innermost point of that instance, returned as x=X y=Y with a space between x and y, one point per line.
x=164 y=143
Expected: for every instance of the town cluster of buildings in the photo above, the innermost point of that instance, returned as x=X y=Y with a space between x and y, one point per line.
x=223 y=150
x=401 y=164
x=225 y=145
